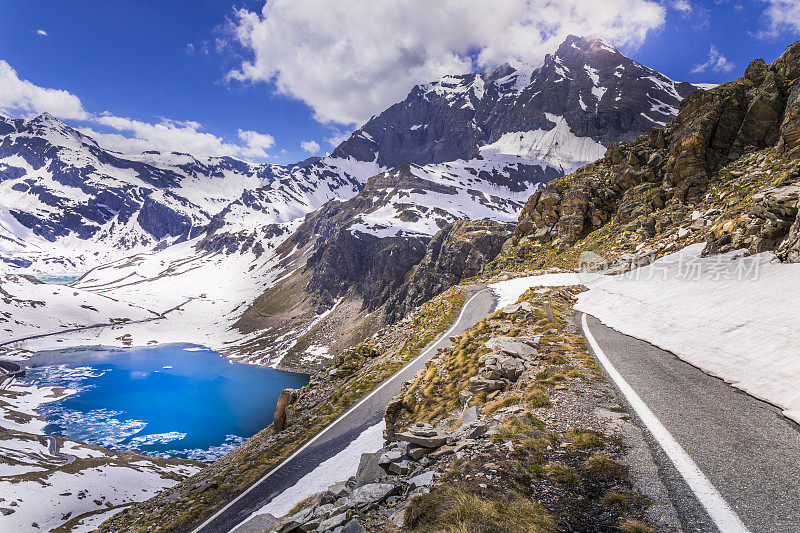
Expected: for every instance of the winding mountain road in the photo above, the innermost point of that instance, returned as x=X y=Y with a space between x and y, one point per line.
x=335 y=437
x=729 y=461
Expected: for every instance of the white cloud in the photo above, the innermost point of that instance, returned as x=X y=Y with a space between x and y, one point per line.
x=780 y=15
x=312 y=147
x=348 y=59
x=176 y=136
x=257 y=141
x=41 y=32
x=683 y=6
x=18 y=96
x=716 y=62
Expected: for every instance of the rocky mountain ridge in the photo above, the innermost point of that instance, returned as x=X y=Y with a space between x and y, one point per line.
x=599 y=93
x=643 y=184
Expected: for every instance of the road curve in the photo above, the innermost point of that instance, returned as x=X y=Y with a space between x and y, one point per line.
x=53 y=447
x=336 y=436
x=746 y=448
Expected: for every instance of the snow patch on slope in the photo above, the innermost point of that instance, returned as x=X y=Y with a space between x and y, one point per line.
x=557 y=146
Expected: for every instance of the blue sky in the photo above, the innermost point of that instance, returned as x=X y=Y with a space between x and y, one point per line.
x=296 y=72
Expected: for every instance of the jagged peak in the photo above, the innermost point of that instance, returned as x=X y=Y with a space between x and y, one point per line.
x=589 y=44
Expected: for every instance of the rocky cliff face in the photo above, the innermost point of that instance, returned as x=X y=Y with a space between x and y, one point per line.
x=673 y=165
x=599 y=93
x=371 y=242
x=459 y=251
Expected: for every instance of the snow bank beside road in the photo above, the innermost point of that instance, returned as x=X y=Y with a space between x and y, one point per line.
x=338 y=468
x=733 y=317
x=736 y=319
x=509 y=291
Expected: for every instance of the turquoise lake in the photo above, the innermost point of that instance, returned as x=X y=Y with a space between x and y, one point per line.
x=177 y=400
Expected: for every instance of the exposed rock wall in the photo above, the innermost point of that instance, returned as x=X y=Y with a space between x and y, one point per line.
x=674 y=164
x=458 y=251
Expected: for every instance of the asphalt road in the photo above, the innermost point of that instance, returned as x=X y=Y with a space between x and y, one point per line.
x=745 y=448
x=53 y=447
x=334 y=438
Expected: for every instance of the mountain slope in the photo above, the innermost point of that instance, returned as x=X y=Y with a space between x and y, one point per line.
x=66 y=199
x=646 y=186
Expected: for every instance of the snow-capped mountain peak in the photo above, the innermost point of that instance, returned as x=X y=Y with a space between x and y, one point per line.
x=601 y=94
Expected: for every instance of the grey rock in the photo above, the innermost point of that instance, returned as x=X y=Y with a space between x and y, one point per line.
x=332 y=522
x=422 y=480
x=441 y=452
x=369 y=471
x=368 y=495
x=478 y=431
x=257 y=524
x=390 y=457
x=477 y=384
x=335 y=491
x=418 y=452
x=523 y=348
x=421 y=429
x=400 y=467
x=510 y=368
x=352 y=527
x=469 y=416
x=522 y=308
x=428 y=442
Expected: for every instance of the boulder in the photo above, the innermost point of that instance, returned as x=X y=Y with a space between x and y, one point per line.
x=336 y=491
x=424 y=479
x=510 y=368
x=441 y=452
x=428 y=442
x=520 y=347
x=418 y=452
x=390 y=457
x=332 y=522
x=283 y=411
x=522 y=308
x=477 y=431
x=352 y=527
x=477 y=384
x=469 y=416
x=369 y=470
x=401 y=467
x=368 y=495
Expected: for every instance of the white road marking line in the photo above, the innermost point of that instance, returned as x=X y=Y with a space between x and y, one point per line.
x=718 y=509
x=332 y=424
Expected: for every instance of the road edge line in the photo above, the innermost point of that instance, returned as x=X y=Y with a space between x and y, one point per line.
x=723 y=516
x=326 y=428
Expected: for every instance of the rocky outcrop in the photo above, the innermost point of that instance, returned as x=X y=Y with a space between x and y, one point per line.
x=284 y=409
x=160 y=221
x=403 y=468
x=672 y=165
x=771 y=224
x=509 y=359
x=458 y=251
